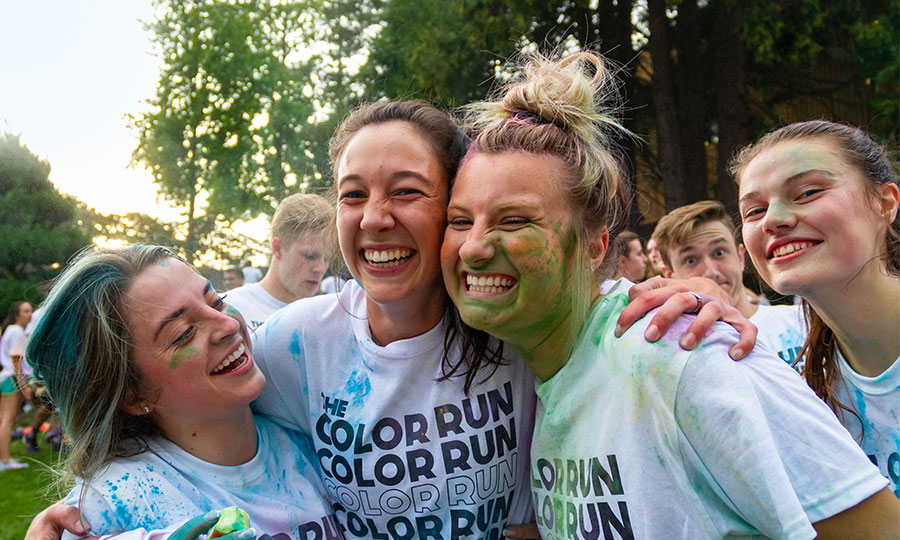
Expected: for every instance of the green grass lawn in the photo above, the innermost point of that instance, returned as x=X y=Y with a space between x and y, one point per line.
x=24 y=492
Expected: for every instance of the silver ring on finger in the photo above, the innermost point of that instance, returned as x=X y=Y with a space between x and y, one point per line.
x=699 y=305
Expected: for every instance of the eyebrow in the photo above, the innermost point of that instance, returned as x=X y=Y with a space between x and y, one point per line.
x=397 y=174
x=790 y=180
x=178 y=313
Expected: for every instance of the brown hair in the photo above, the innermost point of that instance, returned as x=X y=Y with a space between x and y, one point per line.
x=567 y=108
x=678 y=226
x=448 y=141
x=862 y=152
x=621 y=246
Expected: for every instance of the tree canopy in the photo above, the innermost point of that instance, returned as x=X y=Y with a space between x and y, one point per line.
x=251 y=90
x=38 y=225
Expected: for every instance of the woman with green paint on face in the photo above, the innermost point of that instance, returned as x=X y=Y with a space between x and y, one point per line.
x=647 y=440
x=153 y=376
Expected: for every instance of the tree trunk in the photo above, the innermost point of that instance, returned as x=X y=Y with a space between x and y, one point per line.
x=666 y=108
x=732 y=98
x=692 y=115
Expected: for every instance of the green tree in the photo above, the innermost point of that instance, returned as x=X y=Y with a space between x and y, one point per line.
x=38 y=225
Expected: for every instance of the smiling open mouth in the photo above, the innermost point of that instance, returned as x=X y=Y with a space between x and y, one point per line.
x=234 y=361
x=787 y=249
x=495 y=283
x=387 y=258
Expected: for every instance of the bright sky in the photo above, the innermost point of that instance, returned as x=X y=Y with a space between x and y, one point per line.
x=70 y=73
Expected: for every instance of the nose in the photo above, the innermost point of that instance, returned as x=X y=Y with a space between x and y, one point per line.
x=377 y=215
x=778 y=215
x=224 y=325
x=477 y=248
x=709 y=269
x=321 y=265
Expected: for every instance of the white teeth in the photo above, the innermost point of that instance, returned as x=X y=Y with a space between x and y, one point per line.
x=231 y=358
x=386 y=258
x=787 y=249
x=488 y=284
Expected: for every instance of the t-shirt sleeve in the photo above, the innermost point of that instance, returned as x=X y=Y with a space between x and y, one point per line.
x=759 y=432
x=278 y=351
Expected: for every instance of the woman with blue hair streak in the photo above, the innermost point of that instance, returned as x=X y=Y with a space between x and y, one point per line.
x=153 y=376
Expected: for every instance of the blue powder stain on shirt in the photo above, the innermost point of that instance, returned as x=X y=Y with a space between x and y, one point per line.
x=295 y=349
x=358 y=386
x=861 y=408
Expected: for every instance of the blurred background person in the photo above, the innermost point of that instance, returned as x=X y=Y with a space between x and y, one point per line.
x=631 y=262
x=301 y=252
x=12 y=347
x=232 y=278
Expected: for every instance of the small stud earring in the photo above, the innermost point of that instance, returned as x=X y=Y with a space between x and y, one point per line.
x=593 y=267
x=146 y=409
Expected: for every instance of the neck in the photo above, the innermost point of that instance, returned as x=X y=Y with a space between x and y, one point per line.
x=745 y=306
x=869 y=342
x=272 y=285
x=408 y=318
x=229 y=441
x=546 y=346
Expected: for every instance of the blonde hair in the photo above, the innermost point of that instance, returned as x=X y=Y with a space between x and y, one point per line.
x=301 y=213
x=569 y=108
x=677 y=227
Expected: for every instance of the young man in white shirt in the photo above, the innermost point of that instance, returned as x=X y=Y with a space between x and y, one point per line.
x=700 y=240
x=301 y=252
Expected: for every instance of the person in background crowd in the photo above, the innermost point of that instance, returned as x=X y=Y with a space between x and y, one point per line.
x=301 y=251
x=251 y=275
x=656 y=264
x=12 y=347
x=232 y=278
x=631 y=261
x=700 y=240
x=819 y=201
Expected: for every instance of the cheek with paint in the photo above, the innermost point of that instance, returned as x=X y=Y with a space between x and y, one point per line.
x=187 y=353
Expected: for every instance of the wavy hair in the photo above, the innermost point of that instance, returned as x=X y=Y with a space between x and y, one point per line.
x=81 y=350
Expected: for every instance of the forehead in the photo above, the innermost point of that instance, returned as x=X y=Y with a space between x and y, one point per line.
x=389 y=147
x=710 y=232
x=494 y=179
x=307 y=241
x=787 y=159
x=161 y=288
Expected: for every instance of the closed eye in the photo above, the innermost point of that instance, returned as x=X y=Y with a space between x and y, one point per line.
x=185 y=336
x=357 y=194
x=460 y=222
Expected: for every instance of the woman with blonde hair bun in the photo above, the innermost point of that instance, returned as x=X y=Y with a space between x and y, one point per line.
x=632 y=439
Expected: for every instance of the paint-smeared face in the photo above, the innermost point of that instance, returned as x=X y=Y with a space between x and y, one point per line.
x=191 y=349
x=509 y=246
x=302 y=264
x=807 y=221
x=392 y=204
x=711 y=252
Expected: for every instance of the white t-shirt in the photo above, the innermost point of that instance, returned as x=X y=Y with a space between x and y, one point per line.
x=27 y=370
x=403 y=454
x=877 y=401
x=11 y=344
x=165 y=486
x=782 y=330
x=653 y=441
x=251 y=275
x=254 y=303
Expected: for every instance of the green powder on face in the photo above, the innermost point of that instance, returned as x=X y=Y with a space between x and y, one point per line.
x=180 y=355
